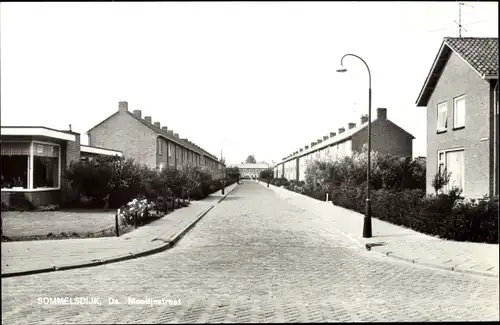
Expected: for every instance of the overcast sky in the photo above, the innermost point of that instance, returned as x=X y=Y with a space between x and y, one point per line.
x=244 y=77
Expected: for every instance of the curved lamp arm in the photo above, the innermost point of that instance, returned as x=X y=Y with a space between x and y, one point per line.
x=369 y=72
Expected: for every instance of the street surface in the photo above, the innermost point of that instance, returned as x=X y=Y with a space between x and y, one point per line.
x=255 y=258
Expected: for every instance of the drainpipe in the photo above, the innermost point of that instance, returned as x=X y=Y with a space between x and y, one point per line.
x=496 y=136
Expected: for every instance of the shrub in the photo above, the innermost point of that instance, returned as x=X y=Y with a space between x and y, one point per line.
x=266 y=174
x=440 y=180
x=111 y=180
x=445 y=215
x=141 y=207
x=233 y=172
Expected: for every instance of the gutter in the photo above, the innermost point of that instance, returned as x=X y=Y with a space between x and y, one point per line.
x=490 y=77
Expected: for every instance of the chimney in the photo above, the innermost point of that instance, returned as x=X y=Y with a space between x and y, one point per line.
x=158 y=125
x=382 y=113
x=319 y=141
x=312 y=144
x=301 y=149
x=176 y=135
x=148 y=119
x=332 y=134
x=325 y=138
x=164 y=128
x=138 y=113
x=364 y=119
x=122 y=106
x=306 y=147
x=341 y=130
x=351 y=125
x=170 y=132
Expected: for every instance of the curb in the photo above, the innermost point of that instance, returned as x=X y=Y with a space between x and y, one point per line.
x=124 y=257
x=224 y=196
x=435 y=266
x=410 y=260
x=440 y=266
x=176 y=237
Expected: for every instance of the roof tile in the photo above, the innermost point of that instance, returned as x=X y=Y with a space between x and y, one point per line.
x=480 y=52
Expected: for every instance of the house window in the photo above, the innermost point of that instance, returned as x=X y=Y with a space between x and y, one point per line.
x=459 y=112
x=159 y=149
x=170 y=149
x=442 y=117
x=452 y=161
x=45 y=165
x=30 y=165
x=15 y=164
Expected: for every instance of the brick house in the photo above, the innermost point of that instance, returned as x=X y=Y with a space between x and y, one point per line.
x=387 y=138
x=461 y=96
x=251 y=170
x=34 y=159
x=149 y=143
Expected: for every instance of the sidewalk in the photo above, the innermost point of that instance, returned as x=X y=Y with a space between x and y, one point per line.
x=30 y=257
x=402 y=243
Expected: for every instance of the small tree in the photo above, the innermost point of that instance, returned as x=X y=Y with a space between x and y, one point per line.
x=440 y=180
x=233 y=173
x=267 y=175
x=250 y=159
x=193 y=180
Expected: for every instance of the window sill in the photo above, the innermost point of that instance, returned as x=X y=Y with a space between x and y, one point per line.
x=441 y=131
x=31 y=189
x=458 y=128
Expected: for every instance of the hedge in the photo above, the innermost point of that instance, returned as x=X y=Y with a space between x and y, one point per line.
x=444 y=215
x=398 y=196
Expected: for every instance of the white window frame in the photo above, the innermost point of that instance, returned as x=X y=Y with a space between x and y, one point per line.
x=455 y=100
x=159 y=147
x=169 y=149
x=440 y=128
x=442 y=161
x=31 y=165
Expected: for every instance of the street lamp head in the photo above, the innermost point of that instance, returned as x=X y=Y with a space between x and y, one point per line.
x=342 y=70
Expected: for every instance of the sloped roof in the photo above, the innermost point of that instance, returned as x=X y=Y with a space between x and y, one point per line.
x=480 y=53
x=183 y=142
x=339 y=138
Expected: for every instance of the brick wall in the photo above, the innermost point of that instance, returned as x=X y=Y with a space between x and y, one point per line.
x=457 y=79
x=387 y=138
x=123 y=132
x=70 y=152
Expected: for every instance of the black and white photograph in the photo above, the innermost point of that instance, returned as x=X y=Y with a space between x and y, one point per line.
x=171 y=162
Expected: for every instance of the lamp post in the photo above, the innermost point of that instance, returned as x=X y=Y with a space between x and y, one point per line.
x=367 y=224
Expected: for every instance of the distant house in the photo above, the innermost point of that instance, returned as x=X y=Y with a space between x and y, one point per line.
x=387 y=138
x=251 y=170
x=34 y=159
x=150 y=143
x=461 y=96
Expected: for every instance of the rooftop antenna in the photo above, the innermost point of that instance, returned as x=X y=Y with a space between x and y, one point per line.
x=459 y=22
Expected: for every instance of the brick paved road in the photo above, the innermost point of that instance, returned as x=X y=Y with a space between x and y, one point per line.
x=255 y=258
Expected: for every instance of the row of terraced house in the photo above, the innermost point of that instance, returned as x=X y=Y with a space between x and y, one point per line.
x=34 y=158
x=460 y=94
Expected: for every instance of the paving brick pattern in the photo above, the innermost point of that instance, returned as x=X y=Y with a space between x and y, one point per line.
x=256 y=258
x=401 y=242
